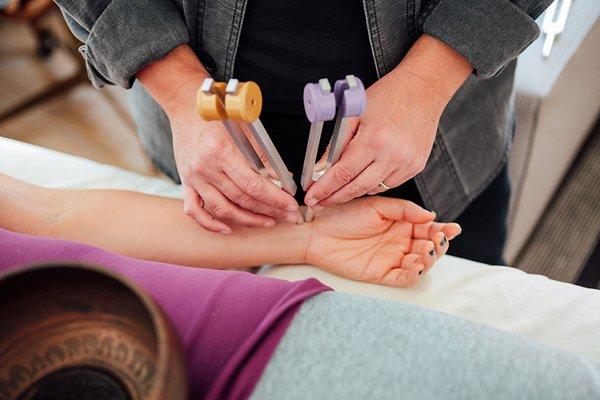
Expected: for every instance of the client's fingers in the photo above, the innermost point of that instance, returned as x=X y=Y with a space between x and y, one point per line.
x=408 y=273
x=451 y=230
x=427 y=230
x=441 y=244
x=426 y=248
x=402 y=210
x=194 y=207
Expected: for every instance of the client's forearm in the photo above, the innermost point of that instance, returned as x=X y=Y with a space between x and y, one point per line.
x=143 y=226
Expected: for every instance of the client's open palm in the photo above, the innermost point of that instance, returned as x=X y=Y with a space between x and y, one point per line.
x=379 y=240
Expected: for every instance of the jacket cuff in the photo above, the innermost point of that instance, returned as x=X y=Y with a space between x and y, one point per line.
x=488 y=33
x=129 y=35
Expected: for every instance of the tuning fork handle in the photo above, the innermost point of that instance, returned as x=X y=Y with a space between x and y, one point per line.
x=319 y=106
x=211 y=107
x=243 y=144
x=265 y=142
x=243 y=102
x=351 y=99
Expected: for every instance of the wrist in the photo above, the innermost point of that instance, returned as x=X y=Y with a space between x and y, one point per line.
x=291 y=244
x=436 y=69
x=173 y=80
x=283 y=243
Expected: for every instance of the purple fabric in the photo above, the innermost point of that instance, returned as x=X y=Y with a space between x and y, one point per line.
x=229 y=322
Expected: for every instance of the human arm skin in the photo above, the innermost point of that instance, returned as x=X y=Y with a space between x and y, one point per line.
x=207 y=159
x=394 y=136
x=376 y=240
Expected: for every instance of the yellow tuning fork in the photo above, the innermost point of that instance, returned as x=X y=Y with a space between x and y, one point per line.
x=210 y=104
x=243 y=103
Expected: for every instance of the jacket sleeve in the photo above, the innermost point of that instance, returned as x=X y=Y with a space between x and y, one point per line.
x=488 y=33
x=121 y=36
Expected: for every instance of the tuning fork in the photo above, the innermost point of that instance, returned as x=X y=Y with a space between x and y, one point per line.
x=320 y=105
x=210 y=104
x=351 y=99
x=243 y=103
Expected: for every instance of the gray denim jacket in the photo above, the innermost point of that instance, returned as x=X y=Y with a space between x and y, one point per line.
x=474 y=134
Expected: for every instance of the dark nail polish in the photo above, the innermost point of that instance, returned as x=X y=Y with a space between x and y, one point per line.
x=420 y=272
x=432 y=252
x=443 y=242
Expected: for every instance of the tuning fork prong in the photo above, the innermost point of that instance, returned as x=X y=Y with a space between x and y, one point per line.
x=351 y=101
x=243 y=103
x=319 y=106
x=210 y=104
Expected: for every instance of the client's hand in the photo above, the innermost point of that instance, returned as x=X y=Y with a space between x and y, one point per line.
x=378 y=240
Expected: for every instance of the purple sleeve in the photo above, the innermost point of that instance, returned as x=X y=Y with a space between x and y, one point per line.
x=226 y=320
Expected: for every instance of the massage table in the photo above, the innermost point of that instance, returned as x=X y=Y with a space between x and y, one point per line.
x=505 y=298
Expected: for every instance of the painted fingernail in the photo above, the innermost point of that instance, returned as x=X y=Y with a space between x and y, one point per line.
x=443 y=242
x=311 y=202
x=432 y=252
x=421 y=272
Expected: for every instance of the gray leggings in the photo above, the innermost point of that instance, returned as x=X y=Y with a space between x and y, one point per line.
x=342 y=346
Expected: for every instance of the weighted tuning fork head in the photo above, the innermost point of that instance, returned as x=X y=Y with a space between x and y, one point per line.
x=211 y=107
x=350 y=96
x=243 y=100
x=351 y=100
x=319 y=101
x=209 y=100
x=319 y=106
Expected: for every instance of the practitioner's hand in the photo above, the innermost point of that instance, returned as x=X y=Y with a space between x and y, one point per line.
x=378 y=240
x=220 y=188
x=394 y=136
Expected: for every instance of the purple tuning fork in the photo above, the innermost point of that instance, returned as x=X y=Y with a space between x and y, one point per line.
x=319 y=105
x=351 y=100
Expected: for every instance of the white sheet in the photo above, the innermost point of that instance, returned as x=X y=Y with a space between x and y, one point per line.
x=557 y=313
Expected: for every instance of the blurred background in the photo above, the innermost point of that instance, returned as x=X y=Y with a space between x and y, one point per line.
x=554 y=226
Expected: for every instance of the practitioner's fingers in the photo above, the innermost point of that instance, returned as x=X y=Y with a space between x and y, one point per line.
x=247 y=202
x=401 y=210
x=426 y=248
x=352 y=162
x=363 y=183
x=394 y=179
x=221 y=208
x=260 y=188
x=194 y=207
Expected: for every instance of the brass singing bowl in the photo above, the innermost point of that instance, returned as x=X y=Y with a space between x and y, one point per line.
x=81 y=332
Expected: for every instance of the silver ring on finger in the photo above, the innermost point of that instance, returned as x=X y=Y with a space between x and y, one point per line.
x=383 y=186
